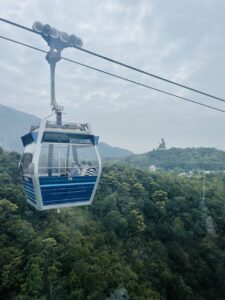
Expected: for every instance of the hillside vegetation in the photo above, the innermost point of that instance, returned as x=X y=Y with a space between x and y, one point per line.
x=187 y=159
x=146 y=235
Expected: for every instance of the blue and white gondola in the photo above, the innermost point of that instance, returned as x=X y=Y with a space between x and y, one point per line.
x=60 y=166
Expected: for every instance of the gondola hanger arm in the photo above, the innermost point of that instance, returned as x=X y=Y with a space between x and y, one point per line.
x=57 y=41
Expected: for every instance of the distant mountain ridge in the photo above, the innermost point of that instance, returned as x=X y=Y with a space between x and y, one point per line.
x=187 y=159
x=107 y=151
x=14 y=124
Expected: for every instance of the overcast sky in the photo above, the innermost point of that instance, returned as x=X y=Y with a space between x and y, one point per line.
x=180 y=40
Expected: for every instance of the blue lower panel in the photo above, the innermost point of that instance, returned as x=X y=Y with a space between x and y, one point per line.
x=30 y=194
x=29 y=188
x=64 y=179
x=56 y=191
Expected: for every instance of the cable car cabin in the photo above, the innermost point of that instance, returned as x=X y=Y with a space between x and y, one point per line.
x=60 y=166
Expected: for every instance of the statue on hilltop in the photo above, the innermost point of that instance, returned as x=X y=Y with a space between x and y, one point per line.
x=162 y=145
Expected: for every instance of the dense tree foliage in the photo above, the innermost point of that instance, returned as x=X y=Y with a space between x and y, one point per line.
x=187 y=159
x=145 y=236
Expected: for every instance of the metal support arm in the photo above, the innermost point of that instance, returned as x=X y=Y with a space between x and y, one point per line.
x=57 y=41
x=53 y=57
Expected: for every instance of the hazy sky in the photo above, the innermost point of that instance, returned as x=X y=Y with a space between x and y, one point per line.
x=181 y=40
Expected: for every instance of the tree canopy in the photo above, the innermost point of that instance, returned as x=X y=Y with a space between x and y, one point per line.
x=145 y=237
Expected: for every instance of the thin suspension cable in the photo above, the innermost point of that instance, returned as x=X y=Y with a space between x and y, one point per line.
x=125 y=65
x=151 y=74
x=116 y=76
x=17 y=25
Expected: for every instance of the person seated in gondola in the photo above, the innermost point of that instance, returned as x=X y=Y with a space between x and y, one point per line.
x=74 y=170
x=87 y=169
x=26 y=163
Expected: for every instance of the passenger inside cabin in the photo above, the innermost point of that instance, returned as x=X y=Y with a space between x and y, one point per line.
x=74 y=170
x=25 y=163
x=87 y=169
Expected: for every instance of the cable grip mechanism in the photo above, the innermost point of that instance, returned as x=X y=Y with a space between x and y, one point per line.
x=57 y=41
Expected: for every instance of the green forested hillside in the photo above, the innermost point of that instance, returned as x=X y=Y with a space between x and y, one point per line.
x=187 y=159
x=147 y=235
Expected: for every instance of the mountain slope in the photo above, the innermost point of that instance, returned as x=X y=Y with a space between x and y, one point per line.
x=14 y=124
x=107 y=151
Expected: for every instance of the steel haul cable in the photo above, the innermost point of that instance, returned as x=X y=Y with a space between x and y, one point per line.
x=116 y=76
x=125 y=65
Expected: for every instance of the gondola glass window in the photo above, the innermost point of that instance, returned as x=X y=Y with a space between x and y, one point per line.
x=67 y=160
x=26 y=165
x=26 y=162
